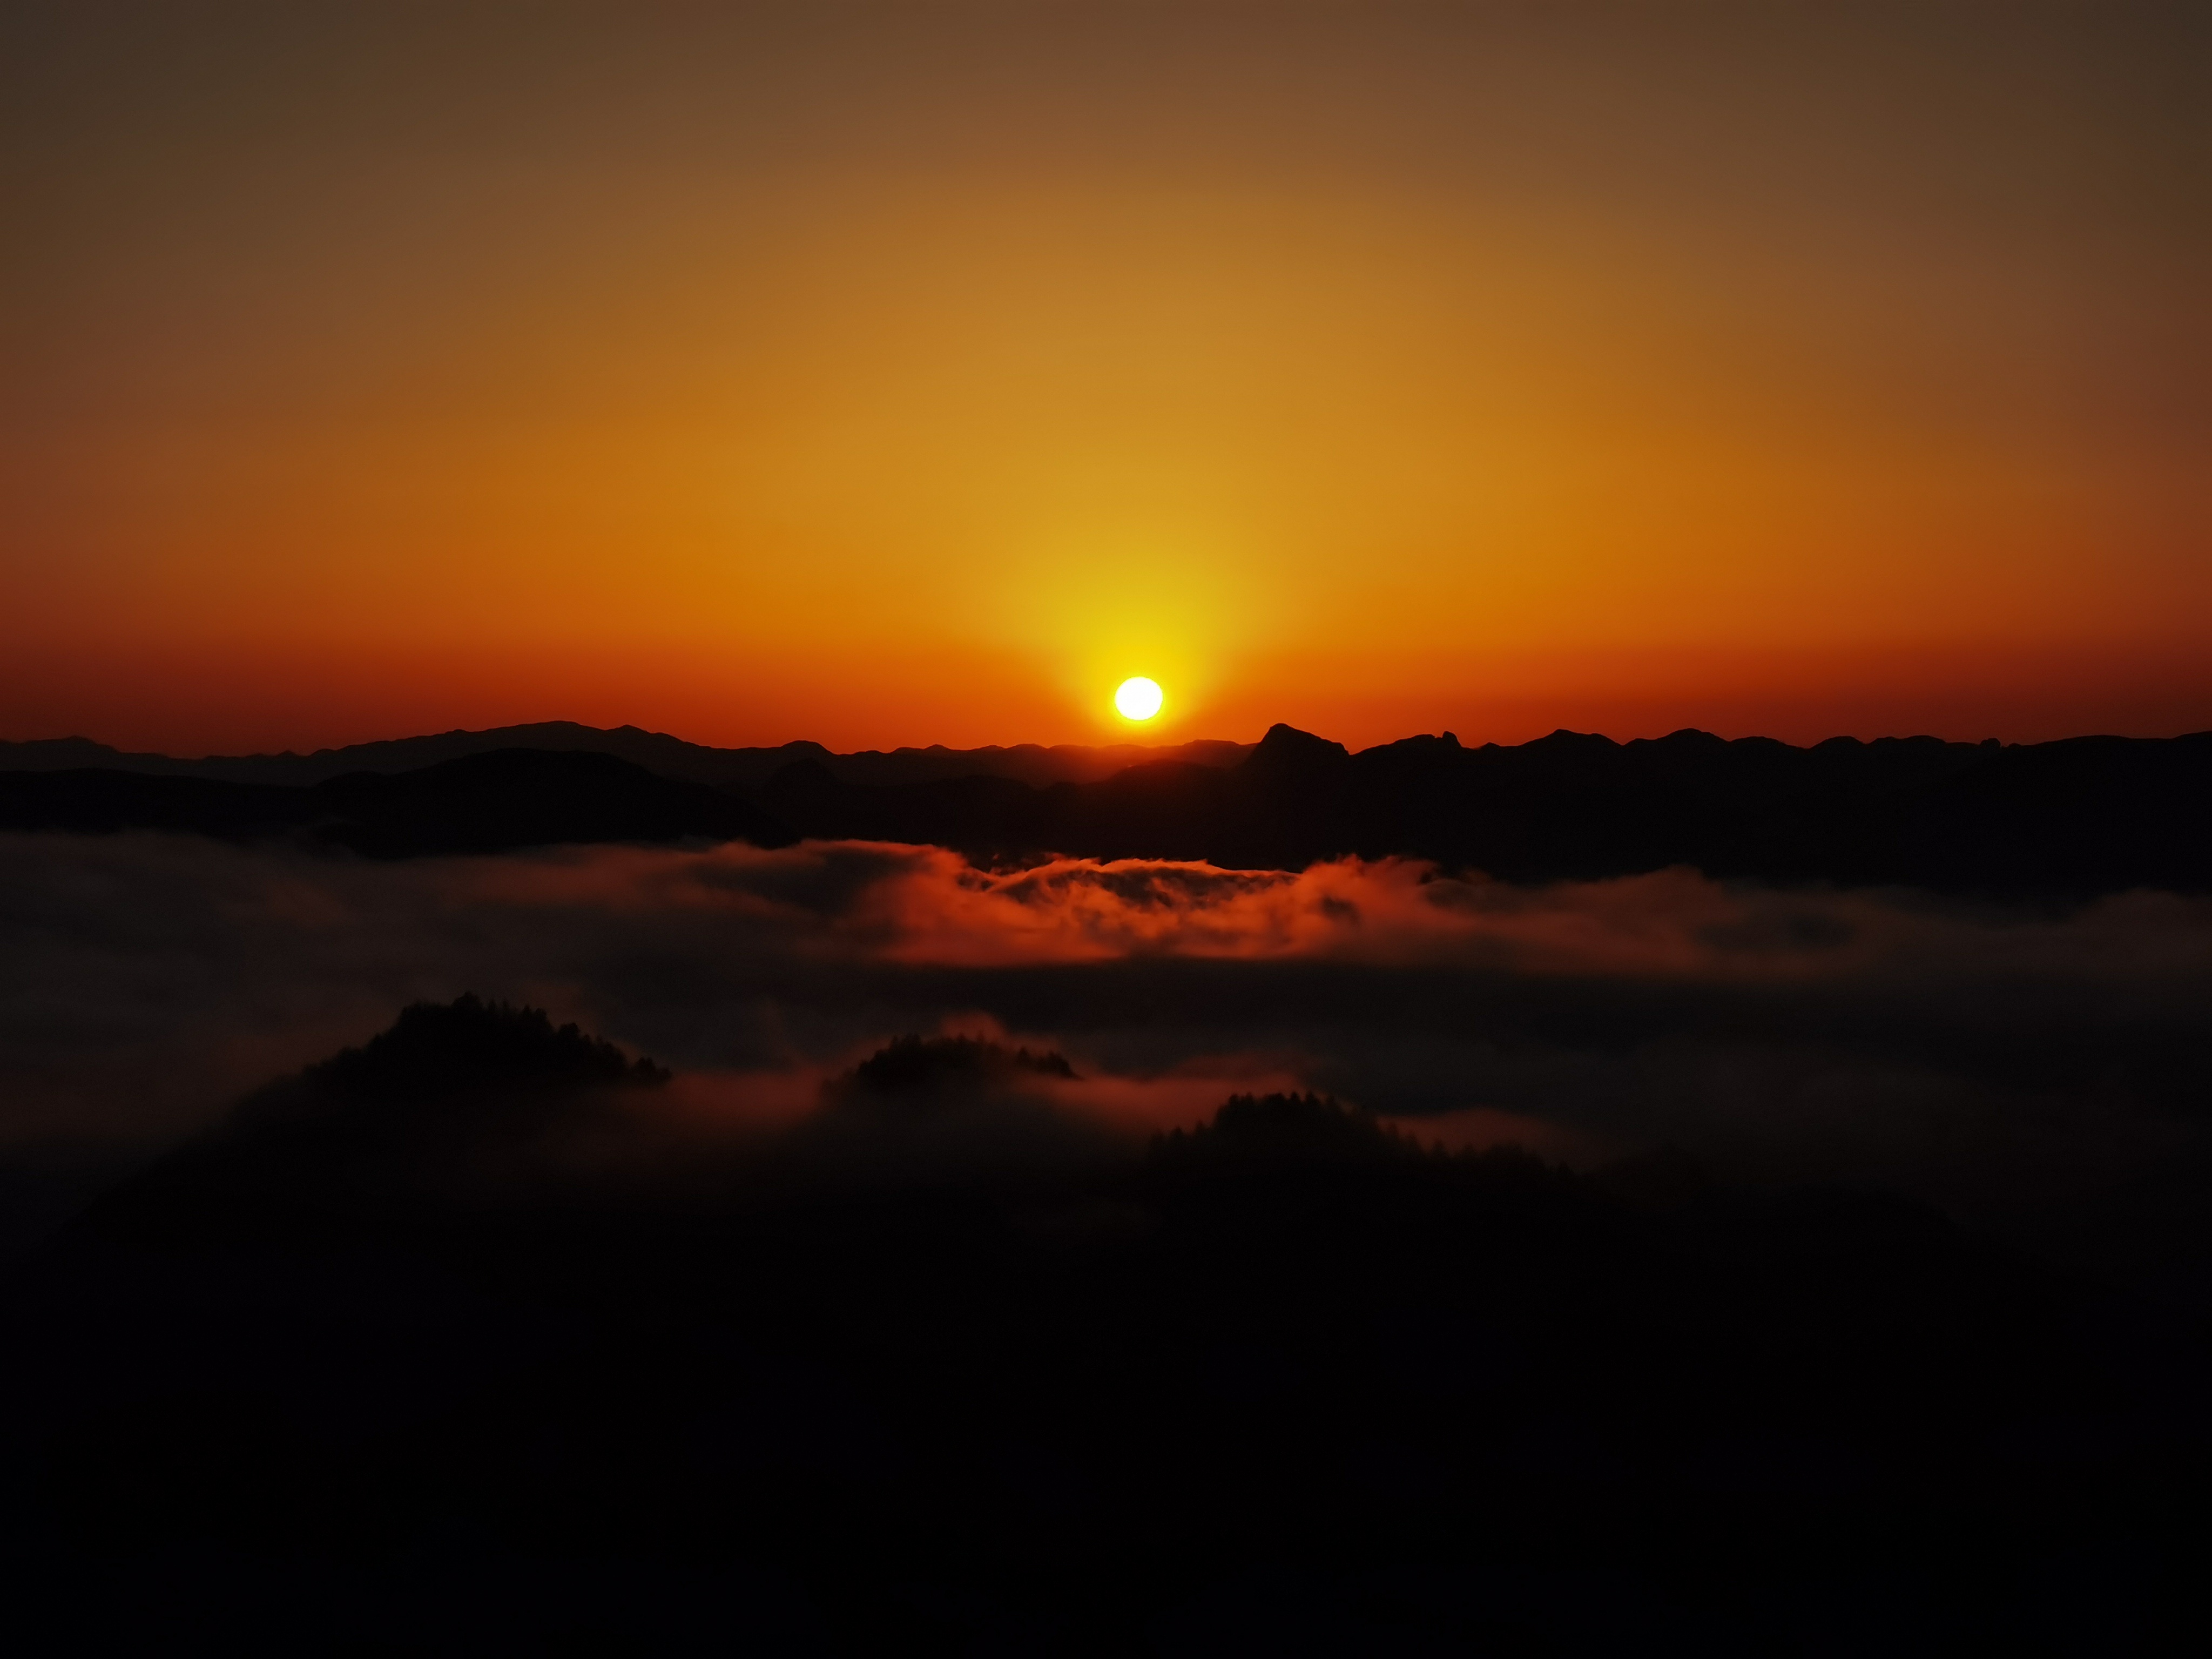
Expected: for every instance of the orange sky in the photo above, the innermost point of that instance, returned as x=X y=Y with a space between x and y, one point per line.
x=914 y=374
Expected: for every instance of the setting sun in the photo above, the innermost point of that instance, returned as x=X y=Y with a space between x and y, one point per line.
x=1138 y=699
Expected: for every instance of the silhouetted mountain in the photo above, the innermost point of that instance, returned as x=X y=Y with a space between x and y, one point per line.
x=445 y=1110
x=925 y=1065
x=656 y=751
x=436 y=1051
x=2086 y=815
x=1288 y=1374
x=486 y=803
x=2083 y=815
x=1275 y=1128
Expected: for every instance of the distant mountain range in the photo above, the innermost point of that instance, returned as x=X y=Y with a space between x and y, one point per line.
x=2083 y=815
x=486 y=803
x=656 y=751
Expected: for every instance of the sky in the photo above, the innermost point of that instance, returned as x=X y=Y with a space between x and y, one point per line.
x=914 y=373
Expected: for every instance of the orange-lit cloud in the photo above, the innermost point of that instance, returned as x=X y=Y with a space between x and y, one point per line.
x=1798 y=1034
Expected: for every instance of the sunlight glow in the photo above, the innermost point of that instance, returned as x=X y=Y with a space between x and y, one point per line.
x=1138 y=699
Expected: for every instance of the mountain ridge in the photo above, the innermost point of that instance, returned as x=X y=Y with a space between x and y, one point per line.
x=656 y=751
x=2073 y=818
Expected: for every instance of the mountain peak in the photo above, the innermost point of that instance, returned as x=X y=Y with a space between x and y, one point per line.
x=434 y=1049
x=1287 y=746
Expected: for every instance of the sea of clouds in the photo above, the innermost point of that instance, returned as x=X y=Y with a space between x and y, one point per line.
x=1990 y=1059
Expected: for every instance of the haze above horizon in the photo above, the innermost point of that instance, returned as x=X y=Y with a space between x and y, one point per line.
x=900 y=375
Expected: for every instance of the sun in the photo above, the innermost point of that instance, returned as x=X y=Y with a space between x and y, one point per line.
x=1138 y=699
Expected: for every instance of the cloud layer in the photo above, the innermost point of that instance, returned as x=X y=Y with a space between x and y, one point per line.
x=1987 y=1059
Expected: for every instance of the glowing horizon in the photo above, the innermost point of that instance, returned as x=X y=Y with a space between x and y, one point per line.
x=909 y=380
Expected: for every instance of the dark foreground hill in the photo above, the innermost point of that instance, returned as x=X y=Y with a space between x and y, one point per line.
x=461 y=1342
